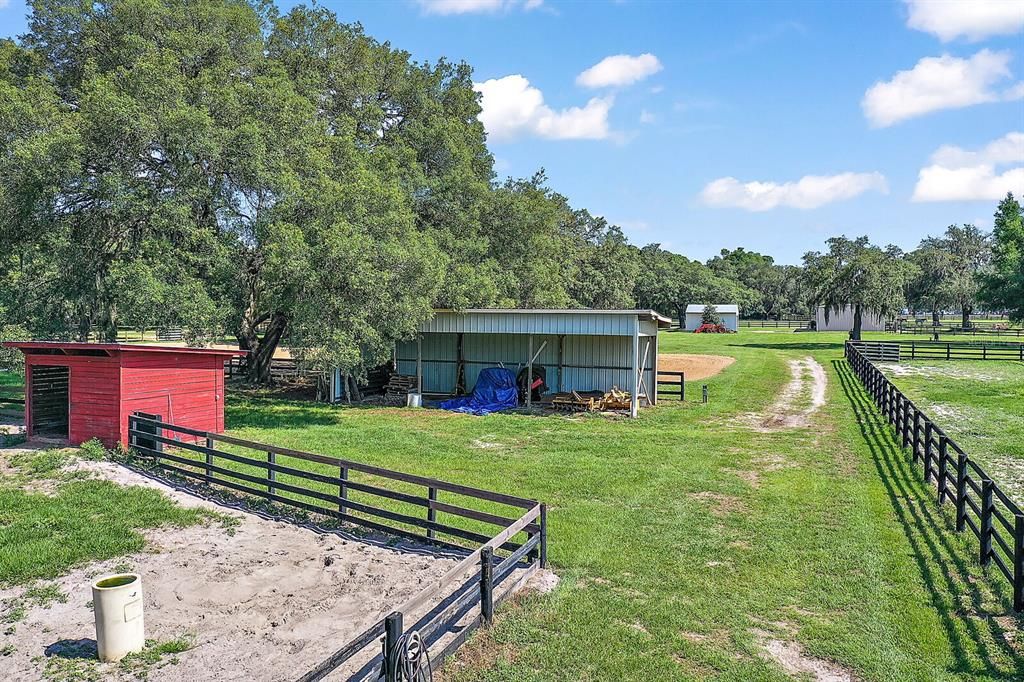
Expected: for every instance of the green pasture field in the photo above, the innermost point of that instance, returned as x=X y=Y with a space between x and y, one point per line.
x=691 y=543
x=688 y=542
x=12 y=385
x=980 y=404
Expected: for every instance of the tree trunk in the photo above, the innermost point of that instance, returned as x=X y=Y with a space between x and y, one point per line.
x=855 y=334
x=261 y=357
x=935 y=317
x=681 y=311
x=965 y=317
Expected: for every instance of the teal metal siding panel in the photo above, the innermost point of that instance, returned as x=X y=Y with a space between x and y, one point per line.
x=439 y=355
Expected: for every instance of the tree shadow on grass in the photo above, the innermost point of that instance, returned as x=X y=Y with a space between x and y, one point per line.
x=968 y=615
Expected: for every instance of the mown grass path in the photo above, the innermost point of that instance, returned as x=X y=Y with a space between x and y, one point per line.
x=689 y=543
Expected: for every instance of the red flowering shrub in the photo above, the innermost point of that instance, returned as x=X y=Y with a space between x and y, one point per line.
x=713 y=329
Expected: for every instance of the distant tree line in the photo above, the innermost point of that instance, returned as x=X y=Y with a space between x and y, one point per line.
x=224 y=167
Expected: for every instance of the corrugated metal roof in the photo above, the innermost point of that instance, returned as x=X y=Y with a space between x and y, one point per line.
x=541 y=321
x=719 y=308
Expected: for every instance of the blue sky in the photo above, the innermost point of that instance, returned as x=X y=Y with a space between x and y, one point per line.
x=906 y=116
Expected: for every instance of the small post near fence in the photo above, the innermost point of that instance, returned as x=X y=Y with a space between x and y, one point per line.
x=392 y=633
x=985 y=552
x=704 y=392
x=487 y=585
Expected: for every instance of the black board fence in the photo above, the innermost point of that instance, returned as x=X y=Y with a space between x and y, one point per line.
x=776 y=324
x=674 y=383
x=981 y=506
x=346 y=494
x=897 y=351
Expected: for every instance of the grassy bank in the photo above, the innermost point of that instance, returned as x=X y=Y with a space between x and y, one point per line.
x=689 y=544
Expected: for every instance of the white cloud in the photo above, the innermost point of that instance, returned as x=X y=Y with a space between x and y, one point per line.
x=810 y=191
x=937 y=83
x=4 y=3
x=473 y=6
x=620 y=69
x=971 y=19
x=647 y=117
x=956 y=174
x=513 y=108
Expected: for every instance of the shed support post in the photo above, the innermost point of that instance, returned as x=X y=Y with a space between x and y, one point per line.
x=561 y=359
x=419 y=365
x=634 y=399
x=529 y=372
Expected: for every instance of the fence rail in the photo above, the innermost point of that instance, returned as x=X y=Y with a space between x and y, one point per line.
x=276 y=474
x=895 y=351
x=776 y=324
x=11 y=401
x=279 y=368
x=674 y=383
x=980 y=504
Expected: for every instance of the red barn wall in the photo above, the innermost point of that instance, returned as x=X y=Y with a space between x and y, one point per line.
x=185 y=389
x=93 y=394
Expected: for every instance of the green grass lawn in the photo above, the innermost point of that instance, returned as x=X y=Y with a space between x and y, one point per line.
x=12 y=385
x=52 y=521
x=980 y=404
x=685 y=539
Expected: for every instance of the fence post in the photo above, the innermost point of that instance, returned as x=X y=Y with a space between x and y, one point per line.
x=916 y=444
x=209 y=459
x=928 y=428
x=682 y=387
x=704 y=390
x=271 y=474
x=985 y=552
x=961 y=492
x=431 y=512
x=907 y=405
x=942 y=472
x=392 y=633
x=487 y=585
x=1018 y=562
x=343 y=491
x=543 y=535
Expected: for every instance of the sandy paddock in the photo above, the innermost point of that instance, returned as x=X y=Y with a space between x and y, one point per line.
x=695 y=366
x=266 y=600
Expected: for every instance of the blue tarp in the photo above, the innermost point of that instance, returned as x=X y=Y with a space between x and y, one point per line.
x=495 y=391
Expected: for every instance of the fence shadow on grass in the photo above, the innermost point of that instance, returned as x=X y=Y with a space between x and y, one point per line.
x=966 y=613
x=804 y=345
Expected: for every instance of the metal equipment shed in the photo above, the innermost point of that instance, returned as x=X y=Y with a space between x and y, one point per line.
x=79 y=391
x=729 y=313
x=581 y=350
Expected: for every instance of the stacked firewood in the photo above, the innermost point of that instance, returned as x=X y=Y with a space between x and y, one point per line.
x=592 y=401
x=398 y=388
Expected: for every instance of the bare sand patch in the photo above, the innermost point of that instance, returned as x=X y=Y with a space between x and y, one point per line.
x=263 y=599
x=695 y=366
x=801 y=398
x=721 y=505
x=791 y=658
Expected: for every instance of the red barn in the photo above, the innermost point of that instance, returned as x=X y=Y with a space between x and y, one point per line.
x=79 y=391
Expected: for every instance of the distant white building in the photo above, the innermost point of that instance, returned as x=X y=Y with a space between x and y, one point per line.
x=842 y=320
x=729 y=313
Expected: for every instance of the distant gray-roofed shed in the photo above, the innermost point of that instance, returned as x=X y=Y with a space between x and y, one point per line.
x=581 y=350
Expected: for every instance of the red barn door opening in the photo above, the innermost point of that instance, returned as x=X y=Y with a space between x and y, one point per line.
x=50 y=407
